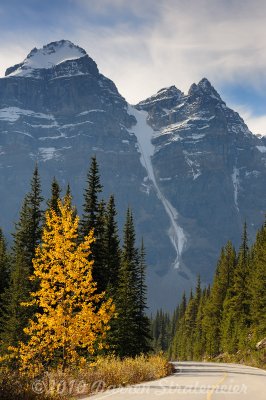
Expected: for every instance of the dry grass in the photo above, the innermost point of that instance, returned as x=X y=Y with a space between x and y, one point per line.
x=104 y=373
x=115 y=372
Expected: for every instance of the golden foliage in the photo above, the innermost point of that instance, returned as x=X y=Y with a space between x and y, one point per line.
x=71 y=316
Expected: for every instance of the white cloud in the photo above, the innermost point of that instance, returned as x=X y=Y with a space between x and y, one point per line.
x=224 y=41
x=157 y=44
x=256 y=124
x=10 y=56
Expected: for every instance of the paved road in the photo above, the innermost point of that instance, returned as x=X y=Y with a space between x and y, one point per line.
x=198 y=381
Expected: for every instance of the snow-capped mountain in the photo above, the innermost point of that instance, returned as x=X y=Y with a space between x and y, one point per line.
x=48 y=57
x=187 y=165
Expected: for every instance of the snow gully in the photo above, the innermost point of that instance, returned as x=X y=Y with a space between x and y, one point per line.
x=144 y=134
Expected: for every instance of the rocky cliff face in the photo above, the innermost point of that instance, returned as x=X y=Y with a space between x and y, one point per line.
x=209 y=166
x=187 y=165
x=60 y=116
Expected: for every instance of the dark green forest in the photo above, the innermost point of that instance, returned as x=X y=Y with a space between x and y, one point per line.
x=224 y=321
x=227 y=320
x=119 y=269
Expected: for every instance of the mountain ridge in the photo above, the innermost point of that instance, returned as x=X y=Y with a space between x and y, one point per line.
x=186 y=164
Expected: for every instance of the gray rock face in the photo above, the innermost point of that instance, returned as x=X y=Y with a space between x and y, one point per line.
x=192 y=173
x=59 y=117
x=210 y=167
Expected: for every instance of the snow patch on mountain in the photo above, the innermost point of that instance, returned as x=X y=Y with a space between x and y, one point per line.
x=193 y=164
x=24 y=133
x=262 y=149
x=76 y=124
x=48 y=56
x=144 y=134
x=12 y=114
x=235 y=180
x=42 y=126
x=47 y=153
x=60 y=136
x=91 y=111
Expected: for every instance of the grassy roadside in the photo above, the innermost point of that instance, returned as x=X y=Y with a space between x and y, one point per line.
x=104 y=373
x=251 y=358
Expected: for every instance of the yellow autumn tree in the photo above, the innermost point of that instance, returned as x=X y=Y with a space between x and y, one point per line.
x=72 y=319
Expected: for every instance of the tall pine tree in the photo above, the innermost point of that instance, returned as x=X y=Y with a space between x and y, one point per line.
x=177 y=343
x=92 y=218
x=236 y=314
x=27 y=237
x=4 y=267
x=111 y=248
x=52 y=203
x=125 y=329
x=143 y=323
x=99 y=271
x=35 y=216
x=91 y=201
x=214 y=307
x=257 y=286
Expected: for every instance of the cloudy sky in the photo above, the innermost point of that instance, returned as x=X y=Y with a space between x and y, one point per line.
x=144 y=45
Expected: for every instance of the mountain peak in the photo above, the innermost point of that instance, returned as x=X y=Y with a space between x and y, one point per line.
x=47 y=57
x=164 y=95
x=170 y=89
x=205 y=83
x=204 y=87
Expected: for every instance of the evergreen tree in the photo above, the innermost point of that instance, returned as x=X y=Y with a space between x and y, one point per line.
x=188 y=326
x=69 y=194
x=241 y=277
x=174 y=321
x=199 y=345
x=190 y=321
x=130 y=253
x=126 y=300
x=236 y=315
x=26 y=239
x=99 y=271
x=74 y=208
x=4 y=267
x=28 y=231
x=161 y=331
x=35 y=217
x=112 y=248
x=183 y=305
x=91 y=202
x=52 y=203
x=144 y=328
x=93 y=218
x=231 y=314
x=155 y=330
x=178 y=343
x=257 y=287
x=214 y=306
x=14 y=317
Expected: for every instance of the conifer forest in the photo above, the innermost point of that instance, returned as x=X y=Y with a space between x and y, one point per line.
x=71 y=291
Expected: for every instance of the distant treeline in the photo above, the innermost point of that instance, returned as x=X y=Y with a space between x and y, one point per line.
x=225 y=320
